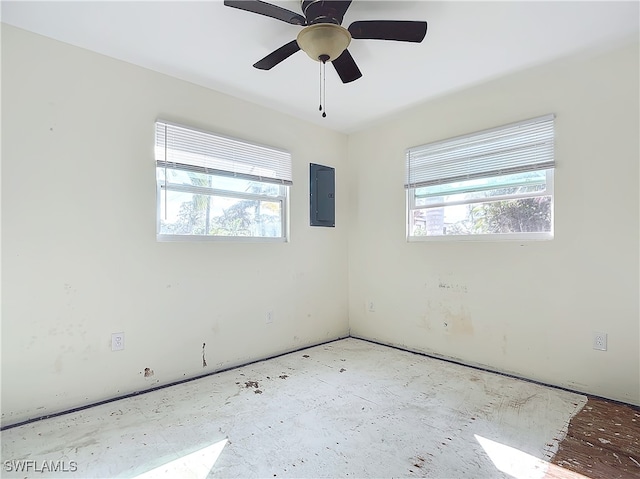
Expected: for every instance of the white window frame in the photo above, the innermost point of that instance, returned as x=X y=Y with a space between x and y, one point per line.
x=542 y=159
x=220 y=156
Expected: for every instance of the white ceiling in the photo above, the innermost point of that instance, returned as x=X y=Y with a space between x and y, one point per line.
x=209 y=44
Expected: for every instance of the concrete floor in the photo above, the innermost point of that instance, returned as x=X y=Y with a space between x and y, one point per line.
x=345 y=409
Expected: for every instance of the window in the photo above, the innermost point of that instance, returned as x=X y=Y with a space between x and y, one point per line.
x=212 y=187
x=496 y=183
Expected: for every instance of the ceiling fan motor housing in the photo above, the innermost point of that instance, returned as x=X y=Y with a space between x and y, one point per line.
x=321 y=11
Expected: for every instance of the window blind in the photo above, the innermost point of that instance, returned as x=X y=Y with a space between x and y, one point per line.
x=184 y=148
x=515 y=148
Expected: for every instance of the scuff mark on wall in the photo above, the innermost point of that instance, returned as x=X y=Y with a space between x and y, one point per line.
x=204 y=361
x=453 y=287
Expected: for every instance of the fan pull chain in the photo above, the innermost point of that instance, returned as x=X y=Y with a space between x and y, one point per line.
x=323 y=83
x=324 y=87
x=320 y=108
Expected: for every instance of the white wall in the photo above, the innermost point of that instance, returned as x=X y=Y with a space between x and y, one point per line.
x=79 y=253
x=80 y=259
x=523 y=308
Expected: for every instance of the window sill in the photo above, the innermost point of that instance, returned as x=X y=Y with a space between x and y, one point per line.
x=522 y=237
x=161 y=238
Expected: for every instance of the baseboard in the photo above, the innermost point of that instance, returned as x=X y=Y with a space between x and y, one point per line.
x=171 y=384
x=489 y=370
x=309 y=346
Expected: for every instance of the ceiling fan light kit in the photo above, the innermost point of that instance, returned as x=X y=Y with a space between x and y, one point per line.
x=324 y=39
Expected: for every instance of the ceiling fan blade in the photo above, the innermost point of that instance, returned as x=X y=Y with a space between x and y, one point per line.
x=275 y=57
x=268 y=10
x=399 y=30
x=346 y=67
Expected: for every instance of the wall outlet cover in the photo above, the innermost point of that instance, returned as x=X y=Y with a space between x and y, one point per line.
x=117 y=341
x=599 y=341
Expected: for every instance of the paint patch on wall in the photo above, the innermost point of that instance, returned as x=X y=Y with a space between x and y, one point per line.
x=423 y=321
x=215 y=327
x=458 y=321
x=451 y=318
x=57 y=365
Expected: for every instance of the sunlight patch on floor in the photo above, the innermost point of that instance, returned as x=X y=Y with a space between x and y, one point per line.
x=521 y=465
x=196 y=465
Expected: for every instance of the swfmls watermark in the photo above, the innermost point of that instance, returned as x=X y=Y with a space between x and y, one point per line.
x=30 y=465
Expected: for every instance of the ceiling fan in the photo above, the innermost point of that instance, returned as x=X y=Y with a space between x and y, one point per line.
x=323 y=38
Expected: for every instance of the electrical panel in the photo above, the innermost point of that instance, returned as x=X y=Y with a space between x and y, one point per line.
x=322 y=182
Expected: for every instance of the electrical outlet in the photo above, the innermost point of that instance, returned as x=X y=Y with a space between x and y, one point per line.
x=269 y=317
x=599 y=341
x=117 y=341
